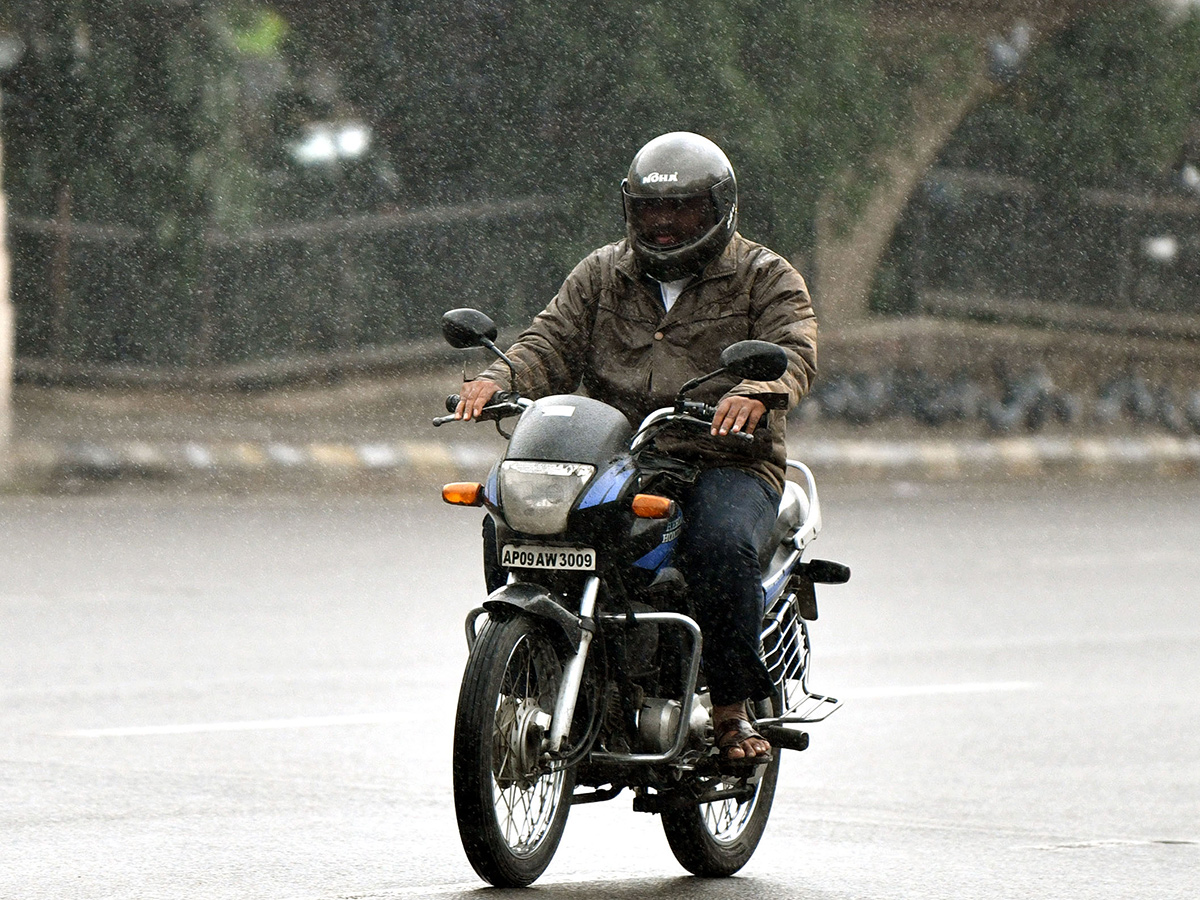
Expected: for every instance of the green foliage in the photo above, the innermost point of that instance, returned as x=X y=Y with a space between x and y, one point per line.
x=134 y=107
x=467 y=101
x=258 y=32
x=175 y=118
x=1107 y=100
x=503 y=99
x=126 y=114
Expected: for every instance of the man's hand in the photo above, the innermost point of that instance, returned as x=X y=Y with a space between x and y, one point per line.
x=736 y=414
x=473 y=397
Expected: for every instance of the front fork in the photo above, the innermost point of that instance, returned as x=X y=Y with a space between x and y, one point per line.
x=568 y=690
x=567 y=697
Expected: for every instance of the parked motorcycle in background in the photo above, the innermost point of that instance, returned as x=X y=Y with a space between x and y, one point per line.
x=584 y=676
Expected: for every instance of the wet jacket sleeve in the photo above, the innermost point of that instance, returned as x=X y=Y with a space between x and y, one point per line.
x=781 y=312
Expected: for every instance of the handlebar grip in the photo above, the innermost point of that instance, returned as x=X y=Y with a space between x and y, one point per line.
x=497 y=399
x=705 y=424
x=708 y=413
x=501 y=404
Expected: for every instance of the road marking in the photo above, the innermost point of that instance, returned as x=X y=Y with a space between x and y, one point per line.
x=1115 y=842
x=259 y=725
x=924 y=690
x=474 y=887
x=1011 y=642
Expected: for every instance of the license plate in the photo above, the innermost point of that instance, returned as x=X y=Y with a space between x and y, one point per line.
x=534 y=556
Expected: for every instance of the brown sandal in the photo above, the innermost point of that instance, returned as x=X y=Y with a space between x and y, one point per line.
x=732 y=733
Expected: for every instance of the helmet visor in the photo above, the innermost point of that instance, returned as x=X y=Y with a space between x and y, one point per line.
x=666 y=222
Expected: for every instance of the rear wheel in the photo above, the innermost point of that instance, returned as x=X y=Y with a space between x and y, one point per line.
x=511 y=805
x=716 y=839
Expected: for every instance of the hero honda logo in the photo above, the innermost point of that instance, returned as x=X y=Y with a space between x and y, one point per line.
x=660 y=177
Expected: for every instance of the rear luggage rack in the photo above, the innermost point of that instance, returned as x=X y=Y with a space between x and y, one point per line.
x=786 y=654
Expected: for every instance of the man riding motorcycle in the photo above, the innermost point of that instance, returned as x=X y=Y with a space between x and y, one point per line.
x=637 y=319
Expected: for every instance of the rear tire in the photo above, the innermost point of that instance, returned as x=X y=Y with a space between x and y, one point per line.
x=511 y=807
x=714 y=840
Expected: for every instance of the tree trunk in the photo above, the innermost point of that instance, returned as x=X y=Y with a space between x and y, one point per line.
x=850 y=245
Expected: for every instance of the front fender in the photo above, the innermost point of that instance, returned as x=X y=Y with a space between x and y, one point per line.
x=524 y=598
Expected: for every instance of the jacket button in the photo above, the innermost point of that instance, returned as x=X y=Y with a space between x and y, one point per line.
x=658 y=335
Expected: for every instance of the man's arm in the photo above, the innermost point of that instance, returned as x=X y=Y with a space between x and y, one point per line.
x=782 y=313
x=550 y=354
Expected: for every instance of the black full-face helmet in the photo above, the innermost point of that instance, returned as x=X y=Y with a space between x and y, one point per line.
x=680 y=205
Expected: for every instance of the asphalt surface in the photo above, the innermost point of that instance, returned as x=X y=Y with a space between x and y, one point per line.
x=216 y=696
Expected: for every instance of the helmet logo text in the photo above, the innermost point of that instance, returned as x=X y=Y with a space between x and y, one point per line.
x=660 y=177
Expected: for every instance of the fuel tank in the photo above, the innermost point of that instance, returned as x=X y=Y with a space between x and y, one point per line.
x=570 y=428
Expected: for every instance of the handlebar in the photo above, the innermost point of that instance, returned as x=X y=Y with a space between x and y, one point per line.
x=707 y=413
x=704 y=423
x=691 y=413
x=502 y=405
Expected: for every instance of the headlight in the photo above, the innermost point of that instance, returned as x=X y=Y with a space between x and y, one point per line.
x=537 y=496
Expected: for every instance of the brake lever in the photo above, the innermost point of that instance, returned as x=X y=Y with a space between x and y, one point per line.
x=710 y=412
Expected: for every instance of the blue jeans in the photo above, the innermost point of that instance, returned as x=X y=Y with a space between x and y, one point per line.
x=728 y=515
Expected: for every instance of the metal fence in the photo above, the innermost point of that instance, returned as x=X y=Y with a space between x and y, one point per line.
x=99 y=300
x=1001 y=248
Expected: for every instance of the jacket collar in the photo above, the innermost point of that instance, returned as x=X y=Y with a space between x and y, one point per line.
x=721 y=267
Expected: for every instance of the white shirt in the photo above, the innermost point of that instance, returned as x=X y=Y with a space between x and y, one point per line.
x=671 y=291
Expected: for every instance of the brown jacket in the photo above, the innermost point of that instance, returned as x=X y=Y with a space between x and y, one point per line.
x=607 y=331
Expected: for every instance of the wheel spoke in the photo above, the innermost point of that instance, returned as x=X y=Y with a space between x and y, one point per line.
x=525 y=806
x=725 y=819
x=511 y=805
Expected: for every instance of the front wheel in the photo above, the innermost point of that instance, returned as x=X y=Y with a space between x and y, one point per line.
x=511 y=805
x=716 y=839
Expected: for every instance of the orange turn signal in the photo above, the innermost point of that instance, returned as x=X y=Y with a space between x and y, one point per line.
x=463 y=493
x=651 y=506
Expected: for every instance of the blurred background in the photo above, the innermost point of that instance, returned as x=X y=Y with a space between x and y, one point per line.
x=232 y=228
x=193 y=185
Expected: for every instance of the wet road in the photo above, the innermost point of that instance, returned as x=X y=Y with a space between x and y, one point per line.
x=252 y=698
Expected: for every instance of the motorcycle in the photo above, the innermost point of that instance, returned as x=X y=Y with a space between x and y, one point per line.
x=584 y=674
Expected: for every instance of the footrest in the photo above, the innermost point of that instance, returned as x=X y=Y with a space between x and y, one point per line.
x=785 y=738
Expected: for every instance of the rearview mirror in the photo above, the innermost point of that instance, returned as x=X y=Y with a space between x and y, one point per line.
x=755 y=360
x=465 y=328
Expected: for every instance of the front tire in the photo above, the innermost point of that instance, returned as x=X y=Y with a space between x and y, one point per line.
x=714 y=840
x=511 y=806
